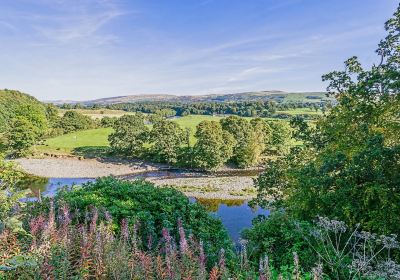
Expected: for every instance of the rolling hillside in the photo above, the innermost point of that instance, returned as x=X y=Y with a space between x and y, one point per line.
x=278 y=96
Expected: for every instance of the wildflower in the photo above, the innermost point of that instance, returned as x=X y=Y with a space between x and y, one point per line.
x=389 y=242
x=124 y=230
x=332 y=225
x=183 y=242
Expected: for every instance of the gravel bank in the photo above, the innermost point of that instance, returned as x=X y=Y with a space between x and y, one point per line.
x=75 y=168
x=193 y=184
x=211 y=187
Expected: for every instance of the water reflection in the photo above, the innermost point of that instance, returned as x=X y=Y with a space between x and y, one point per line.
x=235 y=215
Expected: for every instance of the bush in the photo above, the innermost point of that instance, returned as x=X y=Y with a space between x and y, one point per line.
x=153 y=208
x=277 y=236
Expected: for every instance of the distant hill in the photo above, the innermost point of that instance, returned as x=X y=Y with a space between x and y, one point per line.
x=278 y=96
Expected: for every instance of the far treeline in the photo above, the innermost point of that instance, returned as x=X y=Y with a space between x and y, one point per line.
x=232 y=140
x=252 y=108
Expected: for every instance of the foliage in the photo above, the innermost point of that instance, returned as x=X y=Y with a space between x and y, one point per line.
x=278 y=237
x=276 y=108
x=23 y=121
x=214 y=146
x=61 y=249
x=166 y=138
x=52 y=115
x=329 y=246
x=21 y=135
x=348 y=167
x=17 y=104
x=347 y=253
x=74 y=121
x=108 y=121
x=280 y=140
x=10 y=195
x=249 y=140
x=130 y=134
x=154 y=208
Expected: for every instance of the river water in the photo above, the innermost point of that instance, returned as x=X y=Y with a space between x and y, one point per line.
x=235 y=215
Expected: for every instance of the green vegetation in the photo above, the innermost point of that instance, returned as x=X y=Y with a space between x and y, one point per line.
x=232 y=140
x=74 y=121
x=167 y=140
x=129 y=135
x=334 y=200
x=154 y=209
x=10 y=196
x=214 y=146
x=17 y=104
x=68 y=143
x=96 y=113
x=23 y=120
x=347 y=169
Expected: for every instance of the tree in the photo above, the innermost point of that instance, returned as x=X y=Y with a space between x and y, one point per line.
x=249 y=140
x=281 y=137
x=21 y=135
x=74 y=121
x=16 y=104
x=166 y=137
x=349 y=165
x=108 y=121
x=129 y=136
x=35 y=116
x=214 y=146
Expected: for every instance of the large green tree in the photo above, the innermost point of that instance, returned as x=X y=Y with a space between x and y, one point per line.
x=166 y=137
x=73 y=121
x=349 y=165
x=129 y=136
x=214 y=146
x=249 y=140
x=21 y=135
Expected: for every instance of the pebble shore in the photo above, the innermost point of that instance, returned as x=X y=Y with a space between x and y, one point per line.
x=192 y=184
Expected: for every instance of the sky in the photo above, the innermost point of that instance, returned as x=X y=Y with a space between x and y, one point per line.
x=87 y=49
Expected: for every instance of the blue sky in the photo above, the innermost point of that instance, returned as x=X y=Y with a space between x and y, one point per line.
x=70 y=49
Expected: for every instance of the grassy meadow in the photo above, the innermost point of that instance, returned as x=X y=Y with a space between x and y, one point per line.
x=93 y=140
x=97 y=114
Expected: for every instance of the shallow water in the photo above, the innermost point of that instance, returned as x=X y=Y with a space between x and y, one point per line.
x=235 y=215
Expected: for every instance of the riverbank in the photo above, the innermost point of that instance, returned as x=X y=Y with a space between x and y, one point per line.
x=81 y=168
x=224 y=184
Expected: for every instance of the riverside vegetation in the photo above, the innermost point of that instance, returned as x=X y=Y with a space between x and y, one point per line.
x=335 y=207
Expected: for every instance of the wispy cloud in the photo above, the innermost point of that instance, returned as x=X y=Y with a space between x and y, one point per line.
x=7 y=25
x=66 y=22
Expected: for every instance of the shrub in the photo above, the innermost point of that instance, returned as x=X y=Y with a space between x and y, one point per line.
x=153 y=208
x=277 y=236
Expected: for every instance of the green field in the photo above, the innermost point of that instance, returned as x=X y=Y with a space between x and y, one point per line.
x=72 y=142
x=302 y=97
x=95 y=140
x=300 y=111
x=98 y=114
